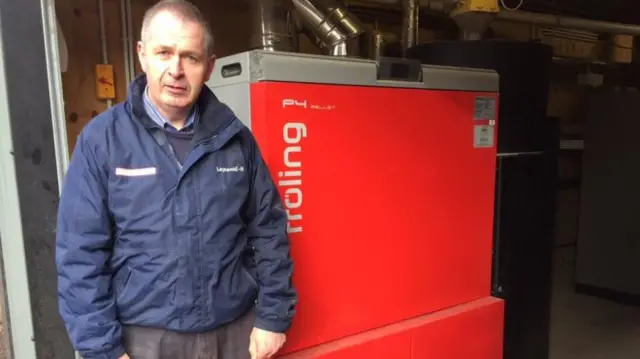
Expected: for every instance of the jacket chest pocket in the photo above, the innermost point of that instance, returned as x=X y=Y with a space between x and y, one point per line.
x=226 y=177
x=134 y=185
x=137 y=196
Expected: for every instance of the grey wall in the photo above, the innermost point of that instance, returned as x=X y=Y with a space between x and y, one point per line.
x=608 y=249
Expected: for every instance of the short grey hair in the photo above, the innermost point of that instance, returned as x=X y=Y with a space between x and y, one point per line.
x=182 y=9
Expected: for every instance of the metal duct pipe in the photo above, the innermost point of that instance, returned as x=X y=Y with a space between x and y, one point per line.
x=103 y=39
x=539 y=19
x=347 y=22
x=410 y=24
x=569 y=22
x=126 y=43
x=271 y=26
x=131 y=44
x=330 y=23
x=320 y=26
x=372 y=45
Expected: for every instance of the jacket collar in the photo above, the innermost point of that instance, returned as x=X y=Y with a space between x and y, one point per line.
x=214 y=116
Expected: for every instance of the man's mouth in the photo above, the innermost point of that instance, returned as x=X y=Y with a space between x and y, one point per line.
x=176 y=88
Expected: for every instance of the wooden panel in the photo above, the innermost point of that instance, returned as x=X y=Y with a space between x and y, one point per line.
x=230 y=23
x=80 y=24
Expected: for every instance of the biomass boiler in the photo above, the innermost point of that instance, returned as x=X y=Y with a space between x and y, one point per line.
x=387 y=172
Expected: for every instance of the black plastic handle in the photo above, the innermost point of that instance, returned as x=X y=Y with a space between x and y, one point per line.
x=231 y=70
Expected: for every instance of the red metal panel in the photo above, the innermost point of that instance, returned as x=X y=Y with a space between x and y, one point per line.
x=470 y=330
x=391 y=206
x=391 y=346
x=472 y=333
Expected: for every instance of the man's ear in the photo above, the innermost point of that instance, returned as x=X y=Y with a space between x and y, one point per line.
x=210 y=66
x=141 y=56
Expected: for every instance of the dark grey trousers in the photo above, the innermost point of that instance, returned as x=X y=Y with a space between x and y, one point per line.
x=228 y=342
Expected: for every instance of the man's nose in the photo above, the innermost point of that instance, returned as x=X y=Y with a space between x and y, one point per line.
x=175 y=66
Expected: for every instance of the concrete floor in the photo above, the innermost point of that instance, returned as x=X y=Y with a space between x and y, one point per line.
x=585 y=327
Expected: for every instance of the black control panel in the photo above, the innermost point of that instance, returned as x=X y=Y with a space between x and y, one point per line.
x=399 y=69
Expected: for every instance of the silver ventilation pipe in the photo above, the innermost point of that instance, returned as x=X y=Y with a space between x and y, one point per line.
x=410 y=24
x=326 y=21
x=271 y=25
x=330 y=23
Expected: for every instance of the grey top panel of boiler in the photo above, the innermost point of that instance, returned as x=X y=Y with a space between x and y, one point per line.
x=258 y=65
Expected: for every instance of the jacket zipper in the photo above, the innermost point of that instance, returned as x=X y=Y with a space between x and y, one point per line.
x=202 y=142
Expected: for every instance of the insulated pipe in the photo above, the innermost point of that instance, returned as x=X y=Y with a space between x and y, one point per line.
x=125 y=41
x=103 y=36
x=410 y=25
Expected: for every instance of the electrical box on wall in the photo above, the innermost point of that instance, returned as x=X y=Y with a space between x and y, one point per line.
x=105 y=86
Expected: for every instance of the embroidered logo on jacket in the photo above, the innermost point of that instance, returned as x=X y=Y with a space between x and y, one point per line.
x=230 y=169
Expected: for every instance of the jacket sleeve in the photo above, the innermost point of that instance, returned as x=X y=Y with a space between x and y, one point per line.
x=277 y=297
x=83 y=248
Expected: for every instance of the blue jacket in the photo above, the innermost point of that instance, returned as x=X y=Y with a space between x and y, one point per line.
x=142 y=241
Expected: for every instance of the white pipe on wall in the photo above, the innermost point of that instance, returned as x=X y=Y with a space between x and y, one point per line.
x=63 y=51
x=103 y=36
x=55 y=50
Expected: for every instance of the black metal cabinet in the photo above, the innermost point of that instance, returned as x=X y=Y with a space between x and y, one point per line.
x=526 y=179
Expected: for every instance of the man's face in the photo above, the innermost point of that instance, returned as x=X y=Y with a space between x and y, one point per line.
x=175 y=61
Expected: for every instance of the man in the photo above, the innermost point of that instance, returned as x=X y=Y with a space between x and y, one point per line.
x=161 y=253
